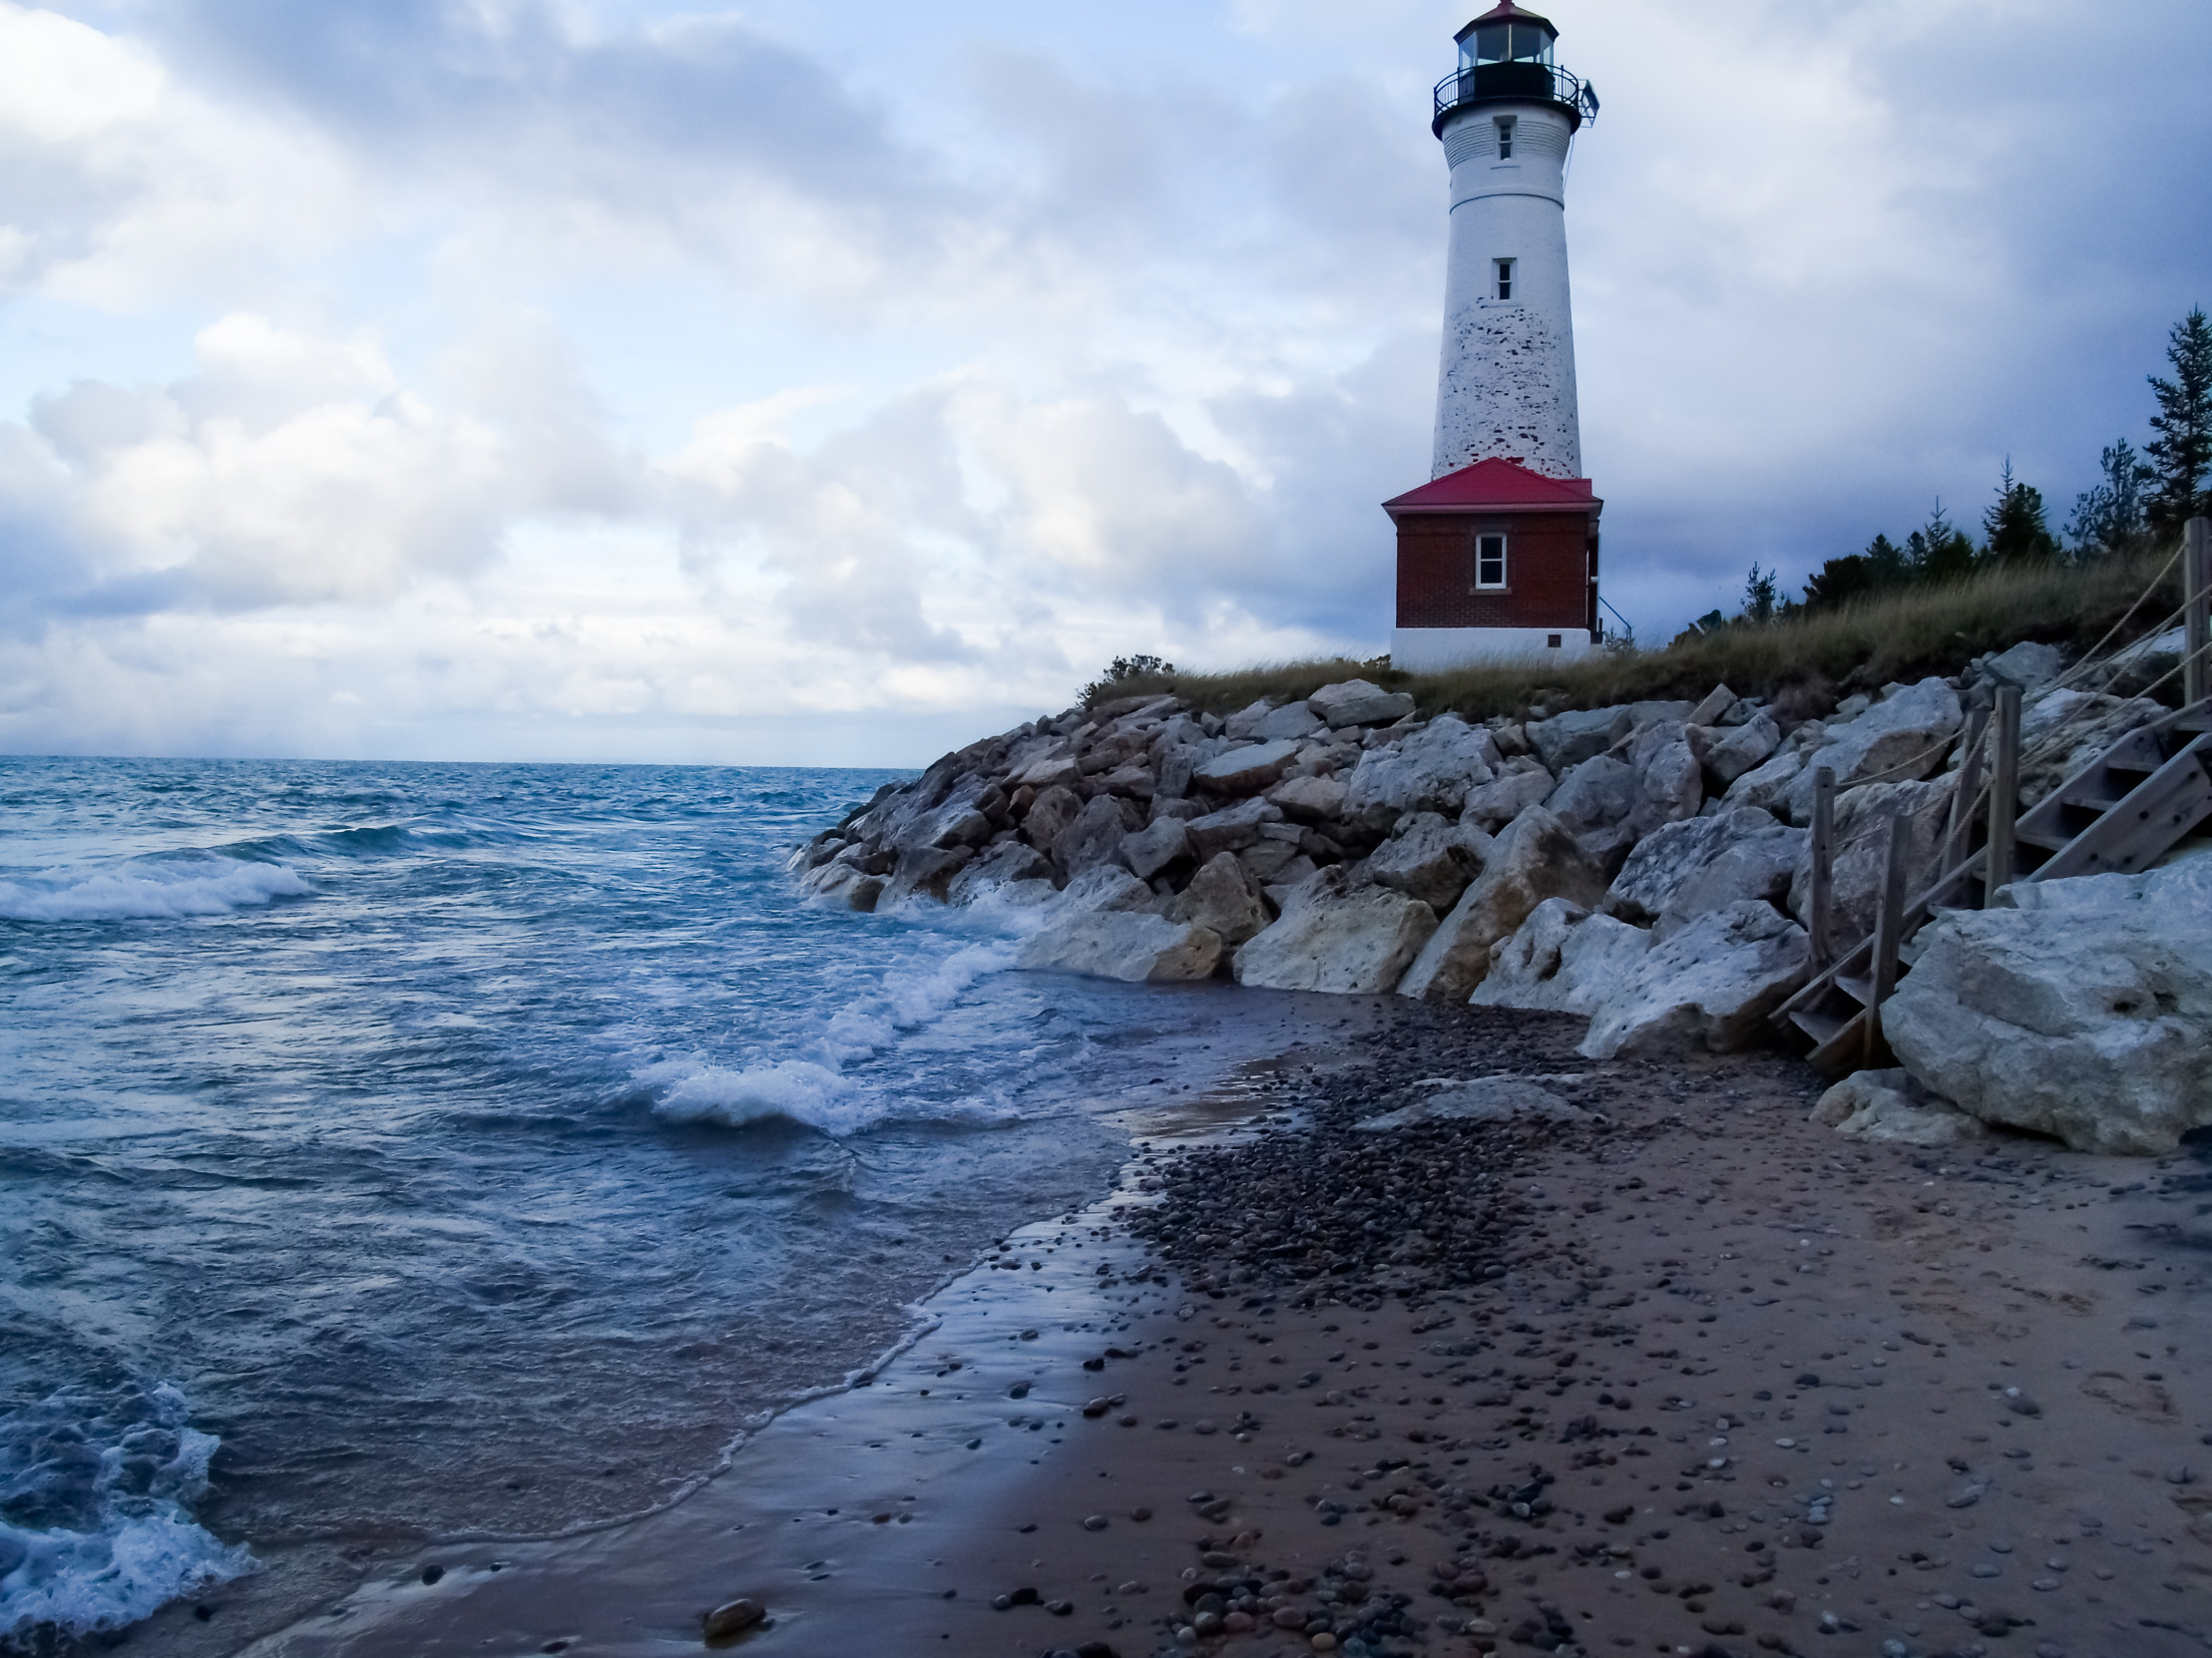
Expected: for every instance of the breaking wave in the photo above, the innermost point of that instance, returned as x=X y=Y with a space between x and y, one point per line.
x=160 y=889
x=818 y=1090
x=96 y=1533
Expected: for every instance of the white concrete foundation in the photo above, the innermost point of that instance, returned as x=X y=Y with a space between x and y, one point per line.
x=1439 y=649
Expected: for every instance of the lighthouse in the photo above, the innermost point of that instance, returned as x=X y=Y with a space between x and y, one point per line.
x=1497 y=553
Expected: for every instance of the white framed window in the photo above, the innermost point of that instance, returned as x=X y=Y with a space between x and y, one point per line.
x=1505 y=137
x=1504 y=278
x=1490 y=561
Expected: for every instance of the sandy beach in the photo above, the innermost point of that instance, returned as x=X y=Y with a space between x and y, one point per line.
x=1680 y=1373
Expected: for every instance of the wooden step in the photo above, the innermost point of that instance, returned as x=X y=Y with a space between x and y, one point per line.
x=2049 y=838
x=1858 y=986
x=2144 y=826
x=1822 y=1028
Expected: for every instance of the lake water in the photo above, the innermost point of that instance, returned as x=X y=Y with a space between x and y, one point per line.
x=397 y=1151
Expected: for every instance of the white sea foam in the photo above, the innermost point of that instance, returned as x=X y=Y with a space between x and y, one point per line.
x=817 y=1091
x=144 y=1551
x=150 y=891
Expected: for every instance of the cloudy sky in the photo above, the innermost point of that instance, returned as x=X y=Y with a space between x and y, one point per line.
x=805 y=383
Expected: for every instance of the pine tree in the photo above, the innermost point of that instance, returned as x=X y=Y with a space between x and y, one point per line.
x=2108 y=516
x=1937 y=552
x=1887 y=564
x=1762 y=596
x=2181 y=453
x=2015 y=524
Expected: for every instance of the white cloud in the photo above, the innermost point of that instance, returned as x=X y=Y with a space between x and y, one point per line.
x=1040 y=356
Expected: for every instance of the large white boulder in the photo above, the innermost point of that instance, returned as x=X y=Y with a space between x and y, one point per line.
x=1338 y=931
x=1309 y=799
x=1431 y=858
x=1888 y=1107
x=1292 y=720
x=2084 y=1012
x=1902 y=738
x=1598 y=794
x=1713 y=984
x=1536 y=858
x=1683 y=870
x=1133 y=947
x=1356 y=702
x=1562 y=959
x=1429 y=771
x=1094 y=837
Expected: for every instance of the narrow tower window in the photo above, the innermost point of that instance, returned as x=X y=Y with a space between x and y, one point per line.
x=1505 y=278
x=1490 y=561
x=1505 y=137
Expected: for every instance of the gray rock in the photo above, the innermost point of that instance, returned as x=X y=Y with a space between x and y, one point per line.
x=1000 y=866
x=1174 y=766
x=1134 y=948
x=1670 y=782
x=1742 y=750
x=1902 y=738
x=1758 y=867
x=1265 y=860
x=1652 y=713
x=1562 y=959
x=1711 y=985
x=1671 y=858
x=1052 y=811
x=1714 y=710
x=1565 y=741
x=1104 y=887
x=1768 y=784
x=1232 y=829
x=1248 y=770
x=1094 y=837
x=1244 y=724
x=2027 y=664
x=1134 y=781
x=1223 y=899
x=1521 y=785
x=1356 y=702
x=1183 y=809
x=1429 y=771
x=1536 y=858
x=1888 y=1107
x=1484 y=1099
x=1312 y=799
x=1292 y=720
x=2086 y=1012
x=1055 y=769
x=924 y=872
x=1597 y=794
x=1339 y=932
x=1429 y=857
x=1157 y=847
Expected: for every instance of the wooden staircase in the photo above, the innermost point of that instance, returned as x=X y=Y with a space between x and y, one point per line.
x=2117 y=815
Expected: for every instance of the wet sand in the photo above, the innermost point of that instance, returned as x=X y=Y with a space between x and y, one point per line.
x=1687 y=1374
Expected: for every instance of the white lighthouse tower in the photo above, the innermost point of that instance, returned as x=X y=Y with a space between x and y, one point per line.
x=1506 y=115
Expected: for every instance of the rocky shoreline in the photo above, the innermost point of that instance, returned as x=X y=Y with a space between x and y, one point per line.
x=1646 y=867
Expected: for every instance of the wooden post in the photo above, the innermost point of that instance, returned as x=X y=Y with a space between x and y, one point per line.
x=2005 y=794
x=1959 y=835
x=1889 y=920
x=1822 y=901
x=2196 y=587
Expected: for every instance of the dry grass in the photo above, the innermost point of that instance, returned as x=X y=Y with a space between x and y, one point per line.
x=1807 y=661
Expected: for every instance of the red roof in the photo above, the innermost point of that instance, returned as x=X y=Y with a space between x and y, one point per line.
x=1496 y=486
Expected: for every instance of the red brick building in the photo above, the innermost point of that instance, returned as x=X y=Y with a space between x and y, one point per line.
x=1495 y=560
